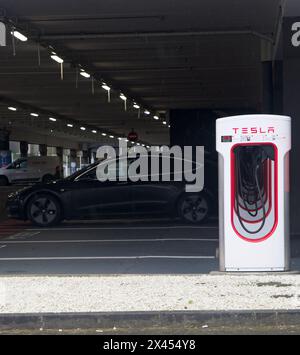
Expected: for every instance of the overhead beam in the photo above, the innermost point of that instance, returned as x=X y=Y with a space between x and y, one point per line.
x=154 y=34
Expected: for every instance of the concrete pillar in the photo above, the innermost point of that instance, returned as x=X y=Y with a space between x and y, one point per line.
x=90 y=155
x=291 y=102
x=73 y=161
x=24 y=149
x=267 y=87
x=5 y=154
x=43 y=150
x=85 y=157
x=4 y=139
x=59 y=153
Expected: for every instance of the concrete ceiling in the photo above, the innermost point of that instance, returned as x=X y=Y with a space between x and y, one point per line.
x=162 y=54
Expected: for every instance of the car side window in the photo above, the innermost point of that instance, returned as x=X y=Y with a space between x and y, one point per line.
x=23 y=164
x=19 y=164
x=116 y=170
x=89 y=175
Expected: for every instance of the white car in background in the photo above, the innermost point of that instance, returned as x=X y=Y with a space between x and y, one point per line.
x=31 y=169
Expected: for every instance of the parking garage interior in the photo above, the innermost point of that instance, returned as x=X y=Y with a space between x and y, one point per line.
x=150 y=73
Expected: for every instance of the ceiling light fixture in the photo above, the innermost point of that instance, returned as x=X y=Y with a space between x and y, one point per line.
x=147 y=112
x=106 y=88
x=34 y=114
x=70 y=125
x=124 y=98
x=94 y=131
x=19 y=36
x=83 y=128
x=12 y=108
x=156 y=117
x=104 y=134
x=52 y=119
x=60 y=61
x=138 y=107
x=56 y=58
x=85 y=74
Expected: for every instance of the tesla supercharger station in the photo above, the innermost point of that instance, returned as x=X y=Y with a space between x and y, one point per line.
x=254 y=192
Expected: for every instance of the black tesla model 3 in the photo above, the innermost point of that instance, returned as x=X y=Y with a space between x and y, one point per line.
x=83 y=196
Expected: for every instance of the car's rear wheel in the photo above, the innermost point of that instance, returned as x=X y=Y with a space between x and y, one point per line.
x=44 y=210
x=194 y=208
x=3 y=181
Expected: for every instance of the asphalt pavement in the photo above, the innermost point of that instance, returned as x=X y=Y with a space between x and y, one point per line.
x=112 y=247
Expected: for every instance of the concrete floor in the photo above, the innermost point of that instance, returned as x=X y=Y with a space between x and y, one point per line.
x=112 y=247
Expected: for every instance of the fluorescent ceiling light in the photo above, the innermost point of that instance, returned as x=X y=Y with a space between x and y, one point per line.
x=57 y=59
x=136 y=106
x=111 y=137
x=94 y=131
x=12 y=108
x=104 y=134
x=70 y=125
x=34 y=114
x=147 y=112
x=83 y=128
x=105 y=87
x=156 y=117
x=52 y=119
x=85 y=74
x=164 y=122
x=19 y=36
x=123 y=97
x=169 y=126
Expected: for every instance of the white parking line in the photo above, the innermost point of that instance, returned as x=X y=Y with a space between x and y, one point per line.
x=118 y=228
x=108 y=241
x=107 y=258
x=24 y=235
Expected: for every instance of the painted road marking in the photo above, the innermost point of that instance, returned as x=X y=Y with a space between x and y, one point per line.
x=23 y=235
x=118 y=228
x=108 y=257
x=108 y=241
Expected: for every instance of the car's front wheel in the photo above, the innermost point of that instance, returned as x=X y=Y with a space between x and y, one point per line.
x=194 y=208
x=44 y=210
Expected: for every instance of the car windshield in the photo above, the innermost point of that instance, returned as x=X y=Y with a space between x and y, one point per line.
x=81 y=171
x=19 y=163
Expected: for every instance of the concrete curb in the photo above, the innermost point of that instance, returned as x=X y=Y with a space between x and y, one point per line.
x=144 y=320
